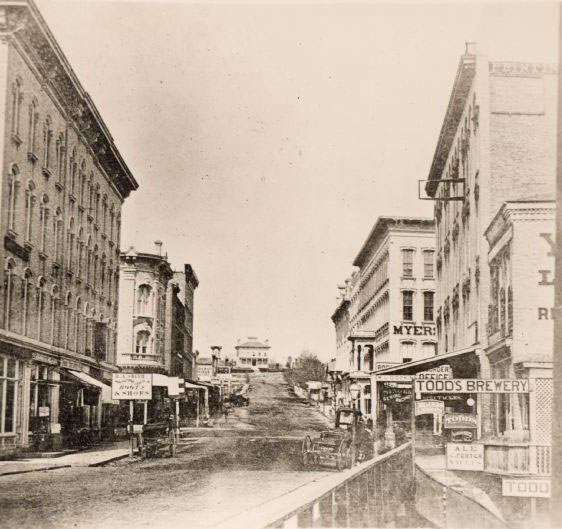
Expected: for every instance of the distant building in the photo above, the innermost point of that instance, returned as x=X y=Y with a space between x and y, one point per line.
x=253 y=353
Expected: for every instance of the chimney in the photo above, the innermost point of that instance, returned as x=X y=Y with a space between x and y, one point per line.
x=158 y=245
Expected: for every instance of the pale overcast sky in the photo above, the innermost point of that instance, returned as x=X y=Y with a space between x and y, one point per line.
x=268 y=138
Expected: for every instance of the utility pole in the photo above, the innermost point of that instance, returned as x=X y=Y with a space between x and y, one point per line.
x=556 y=477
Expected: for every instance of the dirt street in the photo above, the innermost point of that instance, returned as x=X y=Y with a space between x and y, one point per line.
x=209 y=481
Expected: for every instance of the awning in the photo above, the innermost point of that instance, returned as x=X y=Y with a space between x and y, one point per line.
x=189 y=385
x=464 y=363
x=174 y=384
x=91 y=381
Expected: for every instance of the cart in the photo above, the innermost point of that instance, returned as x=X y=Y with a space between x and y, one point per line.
x=157 y=439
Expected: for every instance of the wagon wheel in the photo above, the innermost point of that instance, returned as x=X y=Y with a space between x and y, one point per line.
x=306 y=448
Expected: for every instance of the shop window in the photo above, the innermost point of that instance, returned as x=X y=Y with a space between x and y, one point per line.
x=407 y=305
x=407 y=263
x=40 y=399
x=9 y=386
x=428 y=306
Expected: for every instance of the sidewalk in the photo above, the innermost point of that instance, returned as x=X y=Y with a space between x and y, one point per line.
x=91 y=457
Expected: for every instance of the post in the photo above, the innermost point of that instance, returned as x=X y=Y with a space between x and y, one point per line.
x=197 y=415
x=413 y=427
x=131 y=413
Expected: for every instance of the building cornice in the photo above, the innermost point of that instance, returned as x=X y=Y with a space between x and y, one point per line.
x=21 y=21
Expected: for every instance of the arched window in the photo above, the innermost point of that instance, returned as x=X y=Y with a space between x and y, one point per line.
x=89 y=260
x=91 y=194
x=70 y=239
x=97 y=204
x=57 y=235
x=42 y=327
x=47 y=140
x=59 y=162
x=27 y=289
x=118 y=232
x=102 y=272
x=110 y=281
x=43 y=221
x=29 y=205
x=95 y=271
x=17 y=100
x=80 y=248
x=142 y=342
x=82 y=182
x=13 y=197
x=78 y=333
x=10 y=272
x=55 y=316
x=33 y=118
x=104 y=214
x=111 y=221
x=143 y=300
x=68 y=323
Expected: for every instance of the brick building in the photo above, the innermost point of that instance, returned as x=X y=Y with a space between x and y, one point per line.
x=63 y=183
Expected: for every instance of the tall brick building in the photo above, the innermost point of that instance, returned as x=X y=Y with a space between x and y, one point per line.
x=63 y=183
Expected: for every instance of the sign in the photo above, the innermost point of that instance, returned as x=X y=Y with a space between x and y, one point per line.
x=455 y=421
x=432 y=407
x=44 y=411
x=414 y=330
x=526 y=488
x=393 y=394
x=440 y=372
x=473 y=385
x=131 y=386
x=393 y=378
x=463 y=456
x=385 y=365
x=223 y=370
x=204 y=372
x=69 y=364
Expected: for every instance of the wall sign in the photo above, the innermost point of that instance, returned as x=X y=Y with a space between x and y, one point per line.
x=526 y=488
x=204 y=372
x=463 y=456
x=131 y=386
x=473 y=385
x=385 y=365
x=432 y=407
x=414 y=330
x=457 y=421
x=393 y=378
x=440 y=372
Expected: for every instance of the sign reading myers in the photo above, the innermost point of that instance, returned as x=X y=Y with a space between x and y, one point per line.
x=455 y=421
x=131 y=386
x=414 y=330
x=473 y=385
x=433 y=407
x=464 y=456
x=440 y=372
x=526 y=488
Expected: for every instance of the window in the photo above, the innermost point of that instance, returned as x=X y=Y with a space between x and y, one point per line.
x=111 y=221
x=509 y=310
x=429 y=349
x=26 y=296
x=9 y=294
x=407 y=305
x=9 y=386
x=33 y=117
x=89 y=260
x=47 y=139
x=428 y=306
x=80 y=248
x=407 y=350
x=428 y=264
x=142 y=342
x=60 y=159
x=55 y=317
x=143 y=298
x=78 y=332
x=41 y=316
x=95 y=271
x=13 y=197
x=100 y=340
x=29 y=203
x=68 y=322
x=408 y=263
x=57 y=235
x=82 y=182
x=104 y=215
x=43 y=220
x=17 y=99
x=70 y=242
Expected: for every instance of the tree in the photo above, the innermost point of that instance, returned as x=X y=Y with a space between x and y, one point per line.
x=307 y=367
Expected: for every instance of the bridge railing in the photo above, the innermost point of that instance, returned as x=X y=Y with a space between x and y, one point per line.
x=370 y=494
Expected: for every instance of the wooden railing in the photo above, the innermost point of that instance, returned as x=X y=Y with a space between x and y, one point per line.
x=517 y=458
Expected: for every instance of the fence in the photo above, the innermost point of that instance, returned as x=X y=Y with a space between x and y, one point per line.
x=373 y=494
x=517 y=458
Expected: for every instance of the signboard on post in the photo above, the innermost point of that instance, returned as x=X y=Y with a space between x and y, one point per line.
x=460 y=421
x=526 y=488
x=465 y=456
x=473 y=385
x=204 y=372
x=131 y=386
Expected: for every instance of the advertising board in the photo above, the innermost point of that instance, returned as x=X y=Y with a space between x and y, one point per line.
x=131 y=386
x=464 y=456
x=433 y=407
x=526 y=488
x=460 y=421
x=473 y=385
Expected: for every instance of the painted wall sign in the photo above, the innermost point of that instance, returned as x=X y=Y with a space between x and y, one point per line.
x=460 y=420
x=414 y=330
x=473 y=385
x=393 y=378
x=526 y=488
x=440 y=372
x=131 y=386
x=462 y=456
x=433 y=407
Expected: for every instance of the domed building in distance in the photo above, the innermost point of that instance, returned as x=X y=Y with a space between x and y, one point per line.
x=253 y=353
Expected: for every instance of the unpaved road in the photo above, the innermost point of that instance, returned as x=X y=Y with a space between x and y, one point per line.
x=209 y=482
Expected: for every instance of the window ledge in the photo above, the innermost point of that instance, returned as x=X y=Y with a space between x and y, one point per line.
x=104 y=235
x=32 y=157
x=81 y=208
x=59 y=186
x=16 y=139
x=43 y=256
x=90 y=217
x=411 y=278
x=47 y=173
x=111 y=243
x=429 y=278
x=72 y=197
x=28 y=245
x=12 y=234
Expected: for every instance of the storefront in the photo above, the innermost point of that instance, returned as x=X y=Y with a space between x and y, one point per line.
x=11 y=405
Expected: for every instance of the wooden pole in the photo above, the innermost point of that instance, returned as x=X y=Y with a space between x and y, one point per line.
x=413 y=427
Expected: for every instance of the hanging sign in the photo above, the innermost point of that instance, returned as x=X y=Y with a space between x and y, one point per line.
x=473 y=385
x=460 y=421
x=131 y=386
x=465 y=456
x=526 y=488
x=432 y=407
x=392 y=394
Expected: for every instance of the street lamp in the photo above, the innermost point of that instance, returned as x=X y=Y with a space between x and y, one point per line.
x=354 y=389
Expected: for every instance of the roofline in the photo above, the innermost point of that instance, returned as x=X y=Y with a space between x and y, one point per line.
x=383 y=225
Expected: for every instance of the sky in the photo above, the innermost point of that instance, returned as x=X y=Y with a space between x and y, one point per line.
x=267 y=138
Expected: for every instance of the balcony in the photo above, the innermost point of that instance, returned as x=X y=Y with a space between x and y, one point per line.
x=511 y=458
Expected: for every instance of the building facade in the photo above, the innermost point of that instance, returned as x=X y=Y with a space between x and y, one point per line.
x=63 y=183
x=253 y=353
x=386 y=313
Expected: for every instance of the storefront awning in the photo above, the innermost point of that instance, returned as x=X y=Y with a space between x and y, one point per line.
x=189 y=385
x=464 y=363
x=91 y=381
